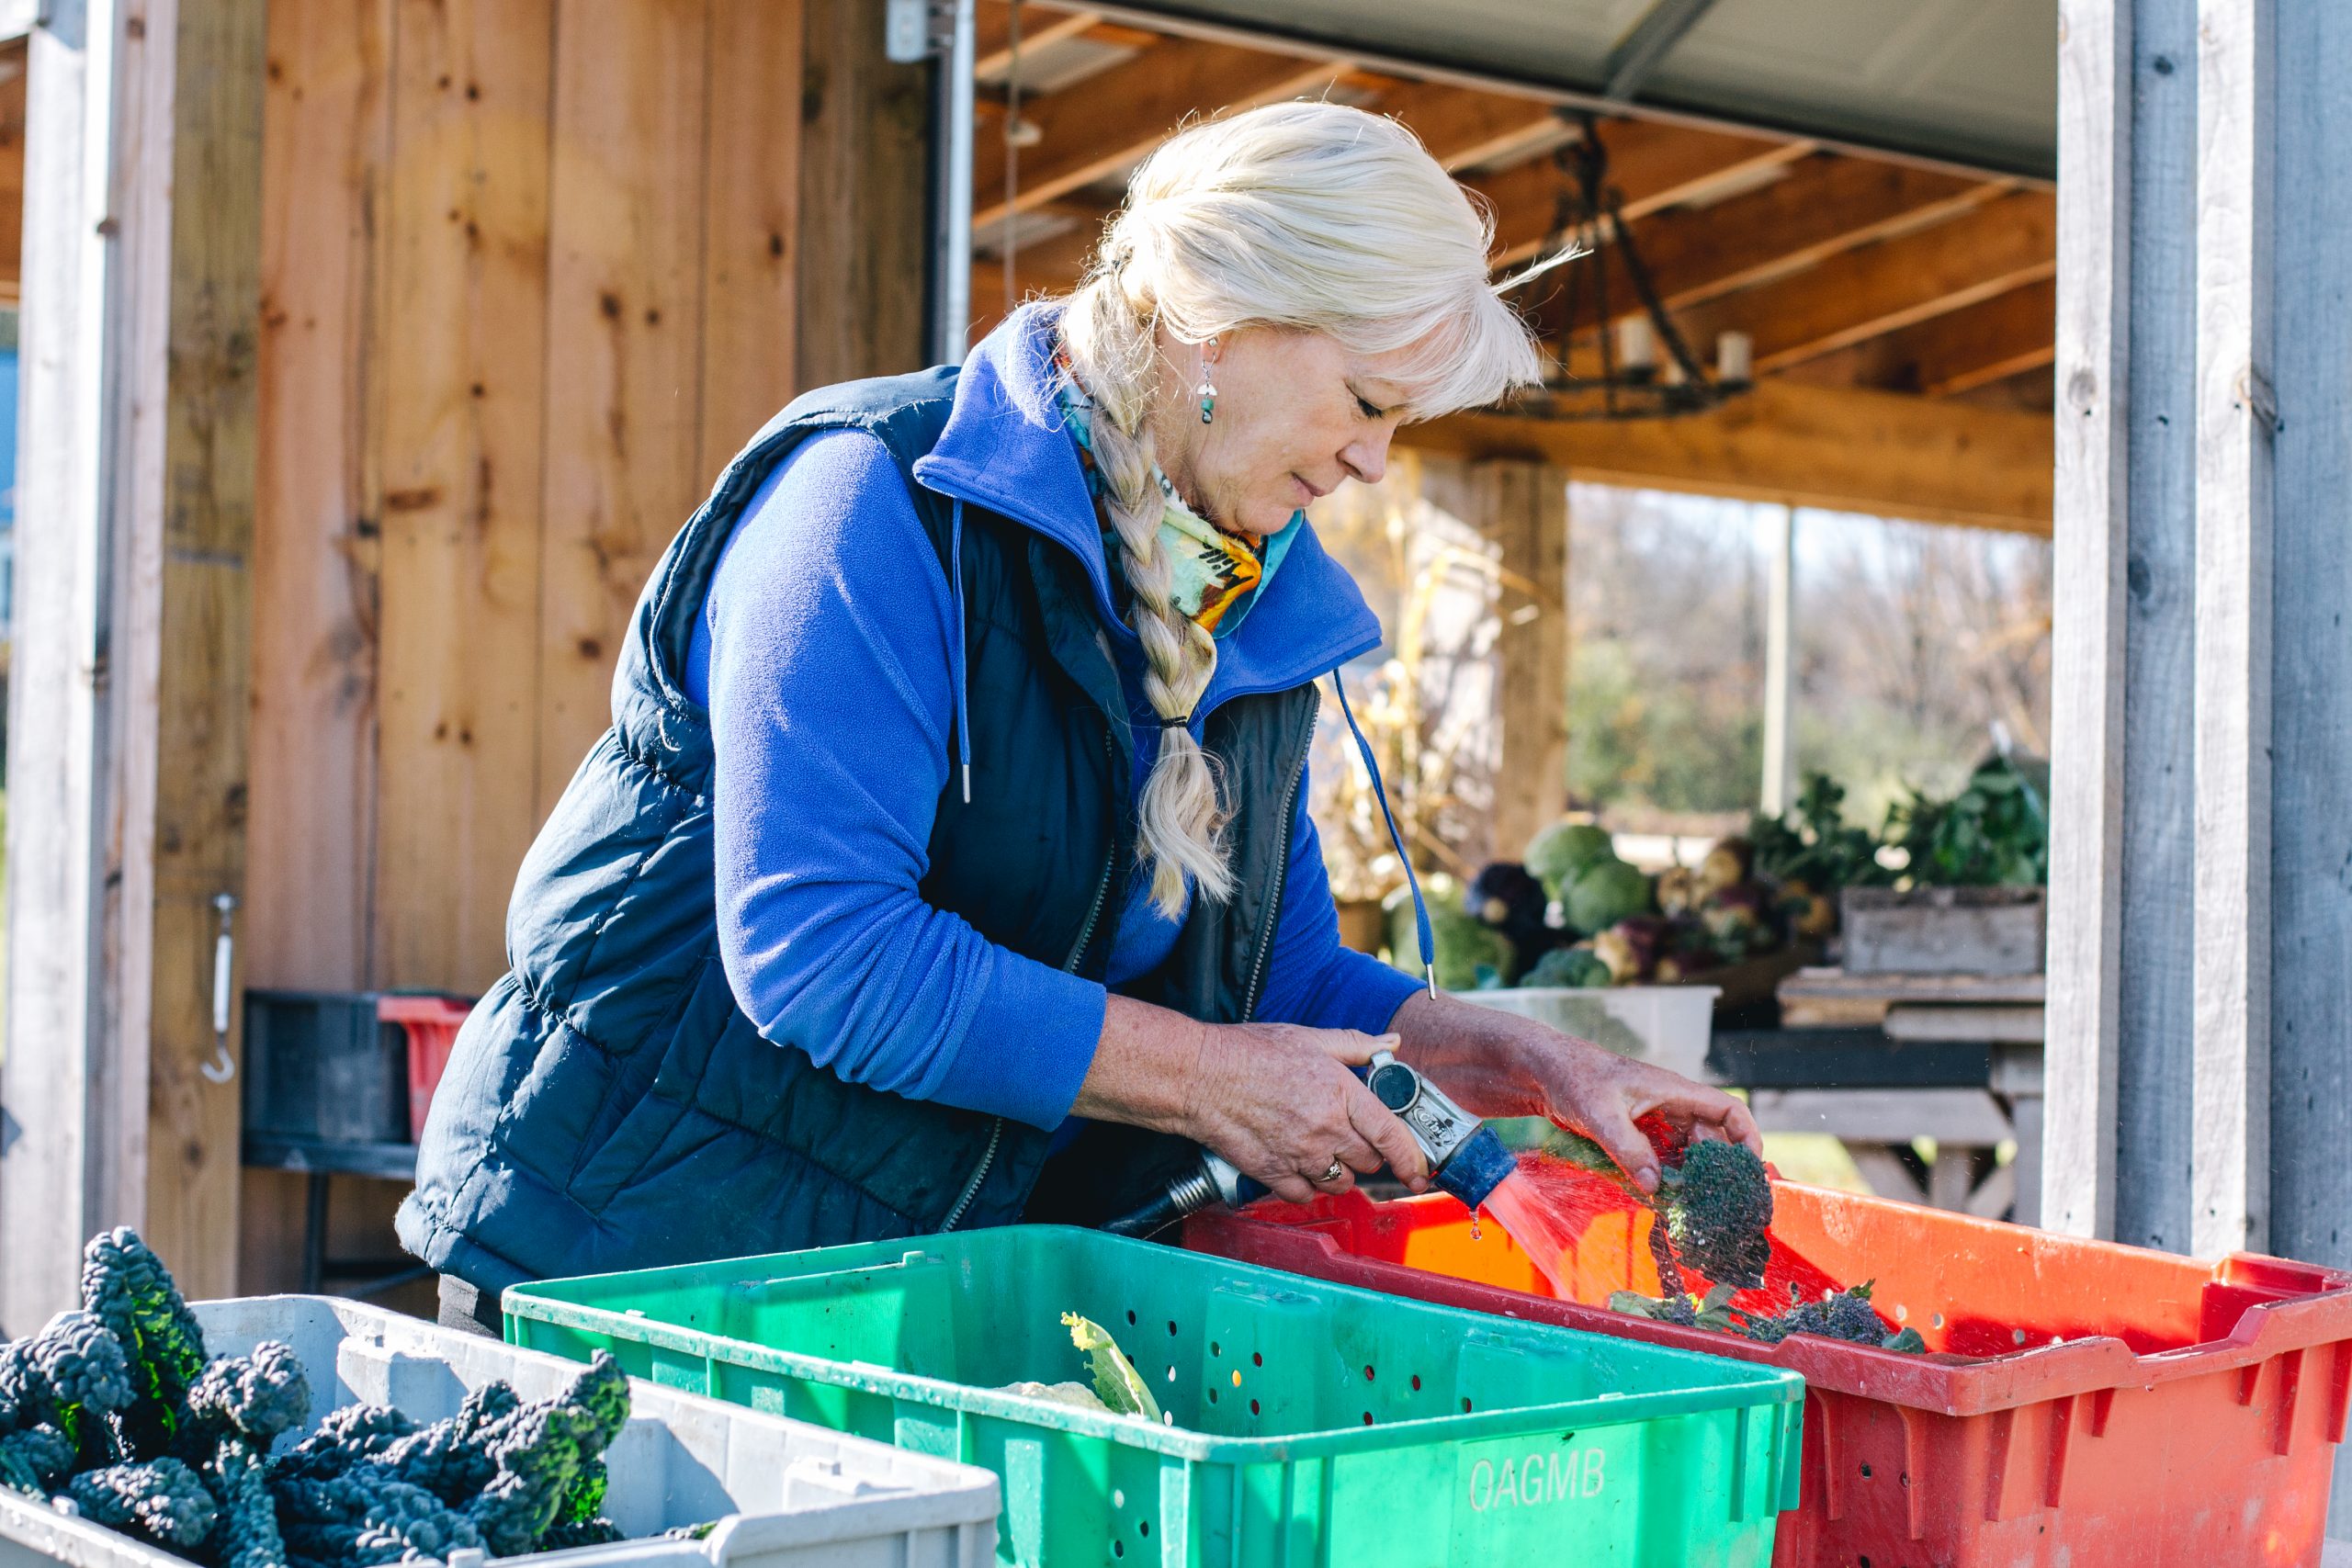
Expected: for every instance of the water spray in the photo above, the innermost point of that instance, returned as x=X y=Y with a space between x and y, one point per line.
x=1464 y=1156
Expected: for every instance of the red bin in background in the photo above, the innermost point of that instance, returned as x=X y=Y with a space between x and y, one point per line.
x=431 y=1024
x=2083 y=1405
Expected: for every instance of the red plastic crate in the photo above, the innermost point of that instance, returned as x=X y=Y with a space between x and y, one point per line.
x=431 y=1024
x=2083 y=1405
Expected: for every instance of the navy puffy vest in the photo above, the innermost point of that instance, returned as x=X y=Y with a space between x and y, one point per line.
x=609 y=1107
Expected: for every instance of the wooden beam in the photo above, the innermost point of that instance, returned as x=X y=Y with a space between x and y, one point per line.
x=1653 y=165
x=863 y=150
x=2091 y=541
x=622 y=339
x=128 y=801
x=12 y=165
x=1523 y=507
x=2238 y=422
x=307 y=923
x=1107 y=121
x=1458 y=125
x=1041 y=27
x=1890 y=285
x=463 y=423
x=1824 y=206
x=1954 y=353
x=1464 y=125
x=1843 y=449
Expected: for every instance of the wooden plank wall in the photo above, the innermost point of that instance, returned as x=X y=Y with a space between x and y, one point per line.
x=12 y=166
x=532 y=270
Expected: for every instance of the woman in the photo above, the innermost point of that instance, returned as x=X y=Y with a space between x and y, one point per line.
x=947 y=861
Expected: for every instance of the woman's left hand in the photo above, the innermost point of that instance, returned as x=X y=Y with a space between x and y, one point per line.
x=1496 y=1064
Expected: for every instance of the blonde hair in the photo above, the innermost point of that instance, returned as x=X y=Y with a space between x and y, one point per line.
x=1306 y=217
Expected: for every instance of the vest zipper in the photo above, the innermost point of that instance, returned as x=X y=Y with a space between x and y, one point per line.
x=1077 y=951
x=1282 y=866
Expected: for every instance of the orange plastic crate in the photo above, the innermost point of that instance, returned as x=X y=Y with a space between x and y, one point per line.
x=2083 y=1403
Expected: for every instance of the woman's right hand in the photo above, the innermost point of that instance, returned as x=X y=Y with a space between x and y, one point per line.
x=1278 y=1101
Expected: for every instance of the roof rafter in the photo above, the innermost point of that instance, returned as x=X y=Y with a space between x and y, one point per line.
x=1829 y=446
x=1954 y=353
x=1891 y=284
x=1108 y=122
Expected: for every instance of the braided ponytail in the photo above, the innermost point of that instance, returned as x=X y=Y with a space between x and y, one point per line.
x=1181 y=816
x=1308 y=217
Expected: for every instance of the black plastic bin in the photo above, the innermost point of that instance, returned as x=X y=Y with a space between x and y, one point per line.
x=319 y=1067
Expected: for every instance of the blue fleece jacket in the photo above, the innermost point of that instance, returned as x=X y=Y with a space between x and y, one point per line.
x=825 y=654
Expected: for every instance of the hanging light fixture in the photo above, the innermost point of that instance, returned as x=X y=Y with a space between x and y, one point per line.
x=1638 y=364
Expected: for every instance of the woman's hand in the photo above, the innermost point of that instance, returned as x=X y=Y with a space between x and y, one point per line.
x=1276 y=1098
x=1496 y=1064
x=1278 y=1101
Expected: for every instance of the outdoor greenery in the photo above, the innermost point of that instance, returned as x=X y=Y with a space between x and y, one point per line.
x=1916 y=646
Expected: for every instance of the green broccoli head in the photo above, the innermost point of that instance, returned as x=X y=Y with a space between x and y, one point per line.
x=1718 y=1210
x=257 y=1396
x=161 y=1499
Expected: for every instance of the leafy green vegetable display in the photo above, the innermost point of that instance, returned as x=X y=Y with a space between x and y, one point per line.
x=1994 y=833
x=1846 y=1315
x=1561 y=852
x=117 y=1412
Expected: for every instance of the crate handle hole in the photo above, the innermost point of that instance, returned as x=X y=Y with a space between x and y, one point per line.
x=1465 y=1405
x=1257 y=1359
x=1118 y=1549
x=1237 y=1377
x=1902 y=1313
x=1253 y=1408
x=1367 y=1374
x=1866 y=1471
x=1213 y=1348
x=1118 y=1498
x=1131 y=1317
x=1367 y=1417
x=1172 y=1329
x=1937 y=1321
x=1212 y=1396
x=1143 y=1526
x=1417 y=1383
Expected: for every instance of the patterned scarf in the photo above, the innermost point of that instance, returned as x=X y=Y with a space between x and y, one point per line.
x=1211 y=571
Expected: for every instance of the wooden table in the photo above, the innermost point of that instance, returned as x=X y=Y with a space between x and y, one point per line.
x=318 y=1159
x=1878 y=1060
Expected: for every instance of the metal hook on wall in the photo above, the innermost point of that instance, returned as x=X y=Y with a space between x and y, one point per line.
x=222 y=1067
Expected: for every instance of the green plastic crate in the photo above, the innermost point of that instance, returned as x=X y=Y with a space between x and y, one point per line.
x=1312 y=1423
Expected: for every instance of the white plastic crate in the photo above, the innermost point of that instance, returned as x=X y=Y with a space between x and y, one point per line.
x=1669 y=1026
x=790 y=1494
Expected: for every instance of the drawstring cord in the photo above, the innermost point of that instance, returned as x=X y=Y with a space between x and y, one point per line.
x=1421 y=907
x=956 y=588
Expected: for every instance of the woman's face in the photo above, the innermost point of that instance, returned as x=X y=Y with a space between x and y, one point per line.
x=1296 y=416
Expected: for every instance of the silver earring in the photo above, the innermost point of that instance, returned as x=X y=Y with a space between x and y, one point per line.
x=1207 y=390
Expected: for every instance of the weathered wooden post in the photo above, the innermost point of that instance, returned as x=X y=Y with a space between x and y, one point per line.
x=127 y=766
x=2201 y=1064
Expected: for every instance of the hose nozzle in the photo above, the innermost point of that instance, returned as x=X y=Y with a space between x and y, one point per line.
x=1465 y=1158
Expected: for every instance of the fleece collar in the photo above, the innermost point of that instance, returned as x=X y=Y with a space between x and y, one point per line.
x=1004 y=447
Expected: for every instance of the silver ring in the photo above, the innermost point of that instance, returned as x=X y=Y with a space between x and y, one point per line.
x=1332 y=1173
